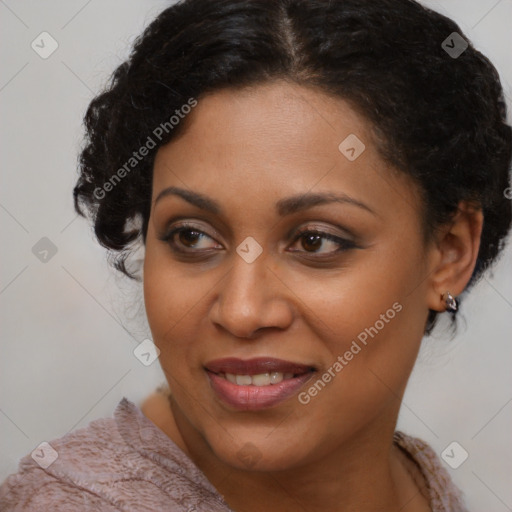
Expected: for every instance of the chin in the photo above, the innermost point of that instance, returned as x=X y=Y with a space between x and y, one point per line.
x=274 y=452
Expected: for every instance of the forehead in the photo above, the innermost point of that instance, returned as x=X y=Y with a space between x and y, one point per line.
x=274 y=119
x=265 y=142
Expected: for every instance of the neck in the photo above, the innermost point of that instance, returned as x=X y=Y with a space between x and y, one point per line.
x=365 y=473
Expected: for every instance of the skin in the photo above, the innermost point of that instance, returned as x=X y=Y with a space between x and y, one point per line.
x=247 y=149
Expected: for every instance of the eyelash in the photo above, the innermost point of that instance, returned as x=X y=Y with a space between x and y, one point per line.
x=341 y=242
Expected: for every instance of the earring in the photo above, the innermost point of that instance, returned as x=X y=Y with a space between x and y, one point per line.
x=452 y=304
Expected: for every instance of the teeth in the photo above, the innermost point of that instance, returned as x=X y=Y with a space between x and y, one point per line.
x=276 y=377
x=262 y=379
x=243 y=380
x=231 y=378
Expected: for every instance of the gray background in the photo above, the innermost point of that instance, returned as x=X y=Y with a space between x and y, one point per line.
x=69 y=326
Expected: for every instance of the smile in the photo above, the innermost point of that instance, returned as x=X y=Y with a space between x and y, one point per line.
x=258 y=383
x=261 y=379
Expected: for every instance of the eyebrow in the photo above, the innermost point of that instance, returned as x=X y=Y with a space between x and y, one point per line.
x=283 y=207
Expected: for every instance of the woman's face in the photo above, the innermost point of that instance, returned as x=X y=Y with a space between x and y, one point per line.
x=259 y=166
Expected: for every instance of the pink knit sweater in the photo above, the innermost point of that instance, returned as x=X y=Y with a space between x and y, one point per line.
x=126 y=463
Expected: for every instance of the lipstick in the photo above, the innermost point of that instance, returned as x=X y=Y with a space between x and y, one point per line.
x=257 y=383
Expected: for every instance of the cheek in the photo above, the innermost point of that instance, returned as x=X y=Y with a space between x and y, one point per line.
x=368 y=365
x=376 y=281
x=174 y=302
x=164 y=305
x=166 y=296
x=378 y=299
x=375 y=330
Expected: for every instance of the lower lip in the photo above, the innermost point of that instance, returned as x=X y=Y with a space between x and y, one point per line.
x=253 y=398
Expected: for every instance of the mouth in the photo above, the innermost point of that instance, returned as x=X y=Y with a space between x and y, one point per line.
x=256 y=383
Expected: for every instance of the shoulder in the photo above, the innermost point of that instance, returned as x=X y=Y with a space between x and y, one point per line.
x=33 y=491
x=443 y=494
x=62 y=474
x=119 y=463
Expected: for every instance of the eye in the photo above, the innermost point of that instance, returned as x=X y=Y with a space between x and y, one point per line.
x=188 y=236
x=313 y=239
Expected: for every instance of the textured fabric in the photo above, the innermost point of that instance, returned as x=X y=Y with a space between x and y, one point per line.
x=126 y=463
x=444 y=496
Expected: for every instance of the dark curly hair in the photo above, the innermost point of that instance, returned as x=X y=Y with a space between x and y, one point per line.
x=441 y=118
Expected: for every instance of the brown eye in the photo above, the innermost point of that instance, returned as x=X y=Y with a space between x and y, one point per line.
x=187 y=239
x=312 y=241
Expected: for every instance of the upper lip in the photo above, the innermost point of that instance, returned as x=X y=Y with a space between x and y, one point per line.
x=256 y=366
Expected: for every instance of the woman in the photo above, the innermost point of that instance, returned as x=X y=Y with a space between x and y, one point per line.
x=314 y=183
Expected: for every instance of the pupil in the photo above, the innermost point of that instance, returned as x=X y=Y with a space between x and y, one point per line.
x=189 y=236
x=316 y=238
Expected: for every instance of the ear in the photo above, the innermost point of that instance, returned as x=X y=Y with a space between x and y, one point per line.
x=453 y=255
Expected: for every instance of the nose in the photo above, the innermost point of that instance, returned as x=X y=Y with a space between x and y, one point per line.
x=252 y=297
